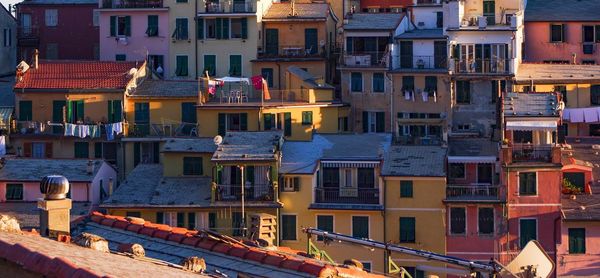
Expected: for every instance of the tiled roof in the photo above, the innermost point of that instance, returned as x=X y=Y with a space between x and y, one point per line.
x=59 y=2
x=472 y=147
x=415 y=161
x=583 y=208
x=307 y=77
x=50 y=258
x=33 y=169
x=73 y=75
x=581 y=149
x=223 y=254
x=190 y=145
x=530 y=105
x=562 y=10
x=283 y=11
x=437 y=33
x=166 y=89
x=557 y=73
x=373 y=21
x=28 y=214
x=249 y=146
x=145 y=186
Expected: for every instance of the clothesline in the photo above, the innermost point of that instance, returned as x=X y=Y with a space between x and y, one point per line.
x=409 y=95
x=93 y=131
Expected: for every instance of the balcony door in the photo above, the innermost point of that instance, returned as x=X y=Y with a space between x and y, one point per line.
x=484 y=173
x=271 y=41
x=440 y=54
x=406 y=54
x=489 y=11
x=311 y=40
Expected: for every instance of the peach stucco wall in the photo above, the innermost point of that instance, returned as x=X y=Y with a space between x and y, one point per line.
x=579 y=264
x=538 y=47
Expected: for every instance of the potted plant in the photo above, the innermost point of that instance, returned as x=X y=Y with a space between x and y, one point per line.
x=569 y=188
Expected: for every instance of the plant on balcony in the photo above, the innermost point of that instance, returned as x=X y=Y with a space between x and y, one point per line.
x=569 y=188
x=505 y=141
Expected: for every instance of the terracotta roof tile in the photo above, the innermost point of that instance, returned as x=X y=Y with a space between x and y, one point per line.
x=77 y=75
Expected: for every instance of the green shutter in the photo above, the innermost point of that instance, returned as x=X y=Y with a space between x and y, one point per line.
x=219 y=26
x=110 y=111
x=225 y=29
x=527 y=231
x=200 y=28
x=98 y=150
x=184 y=28
x=222 y=124
x=287 y=119
x=80 y=110
x=235 y=65
x=136 y=153
x=406 y=189
x=25 y=110
x=128 y=26
x=82 y=150
x=181 y=219
x=117 y=111
x=296 y=184
x=191 y=220
x=380 y=121
x=243 y=121
x=160 y=217
x=210 y=65
x=113 y=26
x=268 y=118
x=57 y=114
x=407 y=229
x=365 y=121
x=152 y=29
x=576 y=240
x=244 y=28
x=69 y=111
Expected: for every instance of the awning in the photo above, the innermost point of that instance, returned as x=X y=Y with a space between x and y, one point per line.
x=471 y=159
x=582 y=115
x=545 y=125
x=233 y=79
x=350 y=164
x=5 y=114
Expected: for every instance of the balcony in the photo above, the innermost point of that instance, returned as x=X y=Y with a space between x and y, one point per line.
x=291 y=51
x=351 y=195
x=28 y=35
x=162 y=130
x=34 y=128
x=528 y=153
x=410 y=62
x=377 y=59
x=252 y=193
x=236 y=97
x=228 y=7
x=131 y=4
x=472 y=192
x=482 y=66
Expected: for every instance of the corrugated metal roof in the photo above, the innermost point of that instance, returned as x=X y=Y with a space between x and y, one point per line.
x=562 y=10
x=415 y=161
x=373 y=21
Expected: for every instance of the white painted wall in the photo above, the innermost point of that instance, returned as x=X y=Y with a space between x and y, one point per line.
x=105 y=173
x=453 y=13
x=427 y=16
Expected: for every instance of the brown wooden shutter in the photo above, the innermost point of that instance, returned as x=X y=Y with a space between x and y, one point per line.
x=27 y=149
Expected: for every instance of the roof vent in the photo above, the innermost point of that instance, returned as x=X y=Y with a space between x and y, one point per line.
x=54 y=187
x=193 y=264
x=93 y=242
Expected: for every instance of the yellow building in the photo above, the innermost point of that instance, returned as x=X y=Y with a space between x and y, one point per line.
x=333 y=183
x=306 y=106
x=304 y=39
x=414 y=179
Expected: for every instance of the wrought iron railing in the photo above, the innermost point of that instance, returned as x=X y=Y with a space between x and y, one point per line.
x=347 y=195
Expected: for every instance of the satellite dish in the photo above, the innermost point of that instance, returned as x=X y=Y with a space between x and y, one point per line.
x=132 y=71
x=218 y=140
x=532 y=259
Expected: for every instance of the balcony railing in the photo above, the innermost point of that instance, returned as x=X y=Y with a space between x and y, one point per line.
x=531 y=153
x=365 y=59
x=474 y=191
x=423 y=62
x=162 y=130
x=228 y=7
x=247 y=95
x=28 y=35
x=350 y=195
x=131 y=4
x=37 y=128
x=480 y=65
x=233 y=192
x=291 y=51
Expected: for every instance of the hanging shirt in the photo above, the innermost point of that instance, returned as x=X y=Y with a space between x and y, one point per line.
x=425 y=96
x=69 y=129
x=109 y=132
x=83 y=131
x=117 y=128
x=94 y=131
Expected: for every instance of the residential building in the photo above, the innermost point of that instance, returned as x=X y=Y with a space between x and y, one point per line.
x=364 y=65
x=306 y=106
x=90 y=180
x=135 y=31
x=414 y=182
x=384 y=6
x=562 y=32
x=333 y=183
x=283 y=44
x=531 y=170
x=8 y=45
x=58 y=29
x=485 y=38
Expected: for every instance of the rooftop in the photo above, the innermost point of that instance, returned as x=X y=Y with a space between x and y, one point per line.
x=77 y=75
x=190 y=145
x=472 y=147
x=583 y=208
x=146 y=186
x=583 y=152
x=557 y=73
x=308 y=78
x=249 y=146
x=422 y=34
x=33 y=169
x=28 y=214
x=302 y=11
x=562 y=10
x=166 y=89
x=415 y=161
x=373 y=21
x=530 y=105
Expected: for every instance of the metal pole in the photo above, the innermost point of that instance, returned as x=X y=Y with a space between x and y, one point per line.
x=243 y=207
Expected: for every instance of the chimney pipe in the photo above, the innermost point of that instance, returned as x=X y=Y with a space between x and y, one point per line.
x=90 y=167
x=55 y=207
x=110 y=187
x=36 y=55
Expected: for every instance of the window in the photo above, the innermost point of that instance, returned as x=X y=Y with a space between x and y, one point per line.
x=456 y=170
x=120 y=26
x=75 y=111
x=563 y=92
x=181 y=219
x=439 y=19
x=133 y=214
x=577 y=179
x=152 y=29
x=527 y=183
x=51 y=17
x=527 y=231
x=325 y=223
x=331 y=177
x=192 y=166
x=356 y=82
x=181 y=1
x=408 y=83
x=486 y=221
x=267 y=74
x=7 y=37
x=212 y=221
x=291 y=184
x=235 y=65
x=557 y=32
x=366 y=177
x=82 y=150
x=160 y=217
x=348 y=177
x=191 y=223
x=307 y=117
x=406 y=189
x=378 y=82
x=120 y=57
x=463 y=92
x=96 y=18
x=232 y=122
x=595 y=94
x=115 y=111
x=414 y=272
x=52 y=51
x=407 y=229
x=288 y=227
x=343 y=124
x=588 y=62
x=576 y=240
x=182 y=65
x=14 y=192
x=38 y=149
x=181 y=29
x=366 y=266
x=210 y=65
x=360 y=226
x=236 y=28
x=211 y=28
x=373 y=122
x=588 y=34
x=25 y=110
x=458 y=221
x=431 y=85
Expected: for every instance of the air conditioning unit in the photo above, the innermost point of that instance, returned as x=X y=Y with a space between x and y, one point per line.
x=482 y=22
x=588 y=48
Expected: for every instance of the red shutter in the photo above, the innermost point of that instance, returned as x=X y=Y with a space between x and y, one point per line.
x=48 y=149
x=27 y=149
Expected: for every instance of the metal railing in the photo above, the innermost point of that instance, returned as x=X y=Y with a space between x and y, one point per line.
x=131 y=4
x=254 y=192
x=291 y=51
x=423 y=62
x=480 y=65
x=163 y=130
x=365 y=59
x=531 y=153
x=37 y=128
x=248 y=95
x=228 y=7
x=472 y=191
x=349 y=195
x=28 y=32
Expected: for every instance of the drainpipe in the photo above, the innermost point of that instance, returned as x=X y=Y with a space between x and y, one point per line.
x=392 y=90
x=556 y=224
x=385 y=254
x=196 y=40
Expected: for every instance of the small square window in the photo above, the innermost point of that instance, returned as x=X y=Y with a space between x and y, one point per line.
x=527 y=184
x=406 y=189
x=307 y=117
x=360 y=226
x=456 y=170
x=14 y=192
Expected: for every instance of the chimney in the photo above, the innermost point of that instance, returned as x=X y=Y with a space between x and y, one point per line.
x=90 y=167
x=110 y=186
x=36 y=56
x=55 y=207
x=574 y=55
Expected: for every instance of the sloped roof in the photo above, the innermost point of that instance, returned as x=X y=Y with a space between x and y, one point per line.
x=28 y=214
x=190 y=145
x=373 y=21
x=472 y=147
x=415 y=161
x=422 y=34
x=557 y=73
x=530 y=105
x=283 y=11
x=83 y=75
x=166 y=89
x=59 y=2
x=249 y=146
x=583 y=208
x=562 y=10
x=307 y=77
x=33 y=169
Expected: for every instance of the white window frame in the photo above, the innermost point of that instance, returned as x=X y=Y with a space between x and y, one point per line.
x=230 y=29
x=450 y=221
x=537 y=229
x=117 y=26
x=51 y=17
x=295 y=230
x=352 y=222
x=372 y=121
x=205 y=31
x=493 y=217
x=288 y=183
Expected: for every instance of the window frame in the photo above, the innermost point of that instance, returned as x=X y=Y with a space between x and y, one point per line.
x=414 y=230
x=492 y=232
x=283 y=226
x=537 y=229
x=450 y=231
x=189 y=162
x=405 y=184
x=377 y=90
x=12 y=197
x=464 y=171
x=352 y=87
x=368 y=225
x=179 y=33
x=575 y=249
x=320 y=238
x=595 y=94
x=81 y=144
x=562 y=33
x=180 y=72
x=231 y=36
x=524 y=193
x=307 y=118
x=464 y=93
x=51 y=20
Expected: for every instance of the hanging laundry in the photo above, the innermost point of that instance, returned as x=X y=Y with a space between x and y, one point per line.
x=257 y=82
x=69 y=129
x=407 y=95
x=83 y=131
x=425 y=96
x=109 y=132
x=412 y=95
x=265 y=88
x=434 y=96
x=94 y=131
x=117 y=128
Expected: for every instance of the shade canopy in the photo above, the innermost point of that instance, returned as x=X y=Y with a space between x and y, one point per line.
x=234 y=79
x=471 y=159
x=544 y=125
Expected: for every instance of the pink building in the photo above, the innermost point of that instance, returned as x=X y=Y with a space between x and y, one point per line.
x=135 y=30
x=559 y=31
x=20 y=179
